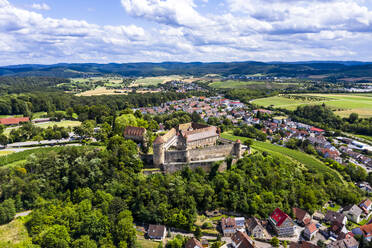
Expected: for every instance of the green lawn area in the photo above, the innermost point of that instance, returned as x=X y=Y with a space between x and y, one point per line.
x=334 y=208
x=66 y=124
x=234 y=84
x=145 y=243
x=342 y=104
x=14 y=234
x=150 y=81
x=4 y=153
x=307 y=160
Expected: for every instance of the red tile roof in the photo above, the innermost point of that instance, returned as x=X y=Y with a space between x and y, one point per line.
x=134 y=131
x=14 y=121
x=279 y=217
x=311 y=227
x=314 y=129
x=192 y=243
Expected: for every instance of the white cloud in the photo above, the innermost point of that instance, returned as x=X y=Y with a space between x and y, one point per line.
x=40 y=6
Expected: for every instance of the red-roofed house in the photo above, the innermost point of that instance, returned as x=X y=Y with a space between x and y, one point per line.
x=310 y=231
x=282 y=223
x=14 y=121
x=316 y=130
x=366 y=205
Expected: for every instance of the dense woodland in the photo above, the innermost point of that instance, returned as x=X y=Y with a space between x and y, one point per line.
x=93 y=195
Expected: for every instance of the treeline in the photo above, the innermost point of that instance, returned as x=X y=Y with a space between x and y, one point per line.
x=17 y=85
x=246 y=95
x=89 y=195
x=28 y=103
x=323 y=117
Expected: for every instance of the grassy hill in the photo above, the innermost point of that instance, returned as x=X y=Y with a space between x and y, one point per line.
x=310 y=162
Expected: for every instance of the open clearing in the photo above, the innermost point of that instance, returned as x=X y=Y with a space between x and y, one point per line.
x=150 y=81
x=14 y=233
x=48 y=124
x=342 y=104
x=310 y=162
x=102 y=91
x=236 y=84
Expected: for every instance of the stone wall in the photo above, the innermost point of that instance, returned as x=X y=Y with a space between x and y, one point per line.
x=175 y=156
x=206 y=166
x=211 y=152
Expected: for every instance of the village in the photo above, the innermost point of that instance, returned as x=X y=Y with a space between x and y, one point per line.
x=325 y=228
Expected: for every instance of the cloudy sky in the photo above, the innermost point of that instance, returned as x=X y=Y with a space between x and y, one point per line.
x=103 y=31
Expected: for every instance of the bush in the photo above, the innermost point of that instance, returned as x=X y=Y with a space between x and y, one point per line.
x=7 y=211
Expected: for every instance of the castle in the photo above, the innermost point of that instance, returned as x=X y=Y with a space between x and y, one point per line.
x=194 y=144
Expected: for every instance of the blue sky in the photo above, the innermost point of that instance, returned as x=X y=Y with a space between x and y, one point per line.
x=103 y=31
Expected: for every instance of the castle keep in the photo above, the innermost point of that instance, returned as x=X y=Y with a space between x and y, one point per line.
x=193 y=143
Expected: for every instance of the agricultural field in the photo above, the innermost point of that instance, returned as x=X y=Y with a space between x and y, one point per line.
x=235 y=84
x=66 y=123
x=153 y=81
x=102 y=91
x=342 y=104
x=14 y=234
x=306 y=160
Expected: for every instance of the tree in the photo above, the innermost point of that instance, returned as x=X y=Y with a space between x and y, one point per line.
x=248 y=142
x=123 y=121
x=3 y=140
x=198 y=232
x=84 y=242
x=7 y=211
x=56 y=236
x=274 y=242
x=353 y=117
x=125 y=231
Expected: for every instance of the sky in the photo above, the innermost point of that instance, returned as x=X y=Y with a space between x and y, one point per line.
x=120 y=31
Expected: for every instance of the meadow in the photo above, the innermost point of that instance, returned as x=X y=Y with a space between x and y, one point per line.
x=66 y=124
x=14 y=234
x=236 y=84
x=153 y=81
x=342 y=104
x=310 y=162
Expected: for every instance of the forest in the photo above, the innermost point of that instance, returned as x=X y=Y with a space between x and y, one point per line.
x=92 y=195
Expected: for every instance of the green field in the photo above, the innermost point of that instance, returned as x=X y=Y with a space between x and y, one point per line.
x=14 y=234
x=308 y=161
x=342 y=104
x=50 y=124
x=233 y=84
x=153 y=81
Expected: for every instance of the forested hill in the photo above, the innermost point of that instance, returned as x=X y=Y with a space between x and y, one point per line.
x=298 y=69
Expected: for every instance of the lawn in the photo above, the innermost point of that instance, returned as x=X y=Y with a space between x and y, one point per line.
x=66 y=124
x=234 y=84
x=4 y=153
x=308 y=161
x=151 y=81
x=145 y=243
x=14 y=234
x=342 y=104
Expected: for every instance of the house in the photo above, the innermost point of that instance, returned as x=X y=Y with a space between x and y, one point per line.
x=241 y=240
x=256 y=229
x=301 y=216
x=302 y=244
x=318 y=216
x=135 y=133
x=332 y=216
x=14 y=121
x=283 y=224
x=156 y=232
x=316 y=130
x=310 y=231
x=193 y=243
x=228 y=226
x=240 y=223
x=205 y=243
x=365 y=231
x=353 y=213
x=344 y=243
x=336 y=229
x=366 y=205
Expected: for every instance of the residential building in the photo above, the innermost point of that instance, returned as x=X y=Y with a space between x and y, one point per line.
x=366 y=205
x=335 y=216
x=365 y=231
x=344 y=243
x=193 y=243
x=353 y=213
x=256 y=229
x=156 y=232
x=310 y=231
x=240 y=223
x=301 y=216
x=241 y=240
x=228 y=226
x=302 y=244
x=283 y=224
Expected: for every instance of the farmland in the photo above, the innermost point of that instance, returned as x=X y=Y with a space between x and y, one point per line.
x=66 y=123
x=308 y=161
x=235 y=84
x=153 y=81
x=342 y=104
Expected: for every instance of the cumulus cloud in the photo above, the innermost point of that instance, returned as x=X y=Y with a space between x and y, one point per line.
x=40 y=6
x=180 y=31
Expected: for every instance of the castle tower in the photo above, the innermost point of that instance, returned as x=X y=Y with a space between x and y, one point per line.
x=237 y=150
x=159 y=152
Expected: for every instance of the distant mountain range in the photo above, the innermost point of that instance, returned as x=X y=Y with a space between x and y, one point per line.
x=338 y=69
